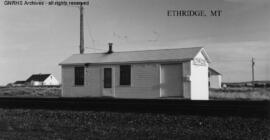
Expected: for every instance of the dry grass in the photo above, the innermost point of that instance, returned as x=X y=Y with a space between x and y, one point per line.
x=30 y=91
x=236 y=93
x=240 y=93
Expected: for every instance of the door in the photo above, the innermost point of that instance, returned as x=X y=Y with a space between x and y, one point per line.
x=171 y=80
x=108 y=82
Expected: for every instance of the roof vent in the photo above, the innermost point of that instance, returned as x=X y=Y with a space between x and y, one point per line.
x=110 y=48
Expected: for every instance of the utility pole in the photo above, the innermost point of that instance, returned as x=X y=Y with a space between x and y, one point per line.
x=81 y=31
x=253 y=63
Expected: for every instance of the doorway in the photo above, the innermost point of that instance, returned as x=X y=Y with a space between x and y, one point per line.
x=171 y=80
x=108 y=82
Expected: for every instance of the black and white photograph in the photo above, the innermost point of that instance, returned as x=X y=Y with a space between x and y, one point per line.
x=134 y=69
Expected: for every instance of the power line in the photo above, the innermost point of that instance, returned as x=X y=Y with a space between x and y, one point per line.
x=89 y=31
x=91 y=48
x=244 y=61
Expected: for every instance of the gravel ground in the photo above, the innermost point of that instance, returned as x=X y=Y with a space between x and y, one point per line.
x=25 y=124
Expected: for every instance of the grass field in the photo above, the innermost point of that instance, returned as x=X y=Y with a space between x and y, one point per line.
x=26 y=124
x=240 y=93
x=30 y=91
x=236 y=93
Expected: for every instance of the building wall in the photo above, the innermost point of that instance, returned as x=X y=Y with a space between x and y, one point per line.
x=91 y=86
x=35 y=83
x=145 y=82
x=199 y=80
x=171 y=80
x=186 y=79
x=109 y=92
x=51 y=80
x=215 y=81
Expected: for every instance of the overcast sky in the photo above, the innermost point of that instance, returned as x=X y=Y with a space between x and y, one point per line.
x=35 y=39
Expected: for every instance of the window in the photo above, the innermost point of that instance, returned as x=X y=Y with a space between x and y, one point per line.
x=125 y=75
x=79 y=76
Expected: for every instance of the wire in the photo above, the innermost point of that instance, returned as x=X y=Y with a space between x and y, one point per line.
x=89 y=31
x=247 y=60
x=94 y=48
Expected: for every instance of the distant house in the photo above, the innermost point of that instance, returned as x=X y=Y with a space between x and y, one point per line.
x=181 y=73
x=19 y=83
x=215 y=78
x=42 y=79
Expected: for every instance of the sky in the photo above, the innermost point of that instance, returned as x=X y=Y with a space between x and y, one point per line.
x=35 y=39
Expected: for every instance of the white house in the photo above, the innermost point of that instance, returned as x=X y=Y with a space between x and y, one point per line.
x=215 y=78
x=42 y=79
x=180 y=73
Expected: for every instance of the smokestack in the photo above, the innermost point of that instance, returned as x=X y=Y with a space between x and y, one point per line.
x=110 y=48
x=81 y=31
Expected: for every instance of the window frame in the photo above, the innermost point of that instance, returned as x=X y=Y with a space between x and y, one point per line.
x=124 y=75
x=79 y=80
x=107 y=81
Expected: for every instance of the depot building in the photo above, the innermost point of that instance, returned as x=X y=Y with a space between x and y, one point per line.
x=148 y=74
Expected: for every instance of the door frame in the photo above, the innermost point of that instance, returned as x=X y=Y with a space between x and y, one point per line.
x=181 y=92
x=108 y=92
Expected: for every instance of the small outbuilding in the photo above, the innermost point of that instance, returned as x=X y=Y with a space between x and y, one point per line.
x=19 y=83
x=166 y=73
x=42 y=80
x=215 y=78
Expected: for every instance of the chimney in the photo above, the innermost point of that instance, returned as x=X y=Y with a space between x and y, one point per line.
x=110 y=48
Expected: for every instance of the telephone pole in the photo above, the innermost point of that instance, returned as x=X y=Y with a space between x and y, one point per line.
x=81 y=31
x=253 y=63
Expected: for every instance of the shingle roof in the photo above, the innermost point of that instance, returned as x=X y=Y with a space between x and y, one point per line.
x=213 y=72
x=180 y=54
x=38 y=77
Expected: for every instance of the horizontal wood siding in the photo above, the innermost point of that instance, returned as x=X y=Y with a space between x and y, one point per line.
x=144 y=82
x=186 y=79
x=215 y=81
x=91 y=85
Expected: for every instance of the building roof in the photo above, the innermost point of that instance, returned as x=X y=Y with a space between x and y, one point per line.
x=19 y=82
x=38 y=77
x=213 y=72
x=164 y=55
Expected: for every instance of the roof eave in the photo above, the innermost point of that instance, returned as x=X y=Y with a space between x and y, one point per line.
x=202 y=50
x=129 y=62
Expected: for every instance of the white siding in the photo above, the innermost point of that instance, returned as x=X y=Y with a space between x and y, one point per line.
x=186 y=79
x=91 y=87
x=171 y=80
x=51 y=80
x=36 y=83
x=215 y=81
x=145 y=82
x=199 y=80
